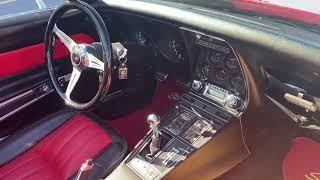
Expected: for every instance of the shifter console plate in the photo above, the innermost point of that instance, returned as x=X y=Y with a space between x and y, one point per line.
x=179 y=122
x=143 y=168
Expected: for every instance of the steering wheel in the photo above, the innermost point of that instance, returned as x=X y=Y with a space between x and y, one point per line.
x=82 y=56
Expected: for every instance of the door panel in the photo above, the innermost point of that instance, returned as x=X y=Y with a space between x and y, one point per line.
x=23 y=75
x=23 y=59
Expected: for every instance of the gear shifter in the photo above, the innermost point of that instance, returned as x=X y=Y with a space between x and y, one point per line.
x=153 y=121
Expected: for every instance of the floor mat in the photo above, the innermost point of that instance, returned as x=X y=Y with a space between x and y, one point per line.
x=133 y=126
x=302 y=161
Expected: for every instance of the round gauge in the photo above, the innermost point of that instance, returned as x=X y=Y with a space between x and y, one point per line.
x=219 y=75
x=177 y=50
x=203 y=71
x=237 y=83
x=141 y=39
x=215 y=57
x=232 y=63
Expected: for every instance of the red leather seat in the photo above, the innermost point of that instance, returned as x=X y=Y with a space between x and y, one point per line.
x=55 y=148
x=303 y=160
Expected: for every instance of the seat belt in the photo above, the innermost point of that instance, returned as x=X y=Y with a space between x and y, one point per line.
x=84 y=170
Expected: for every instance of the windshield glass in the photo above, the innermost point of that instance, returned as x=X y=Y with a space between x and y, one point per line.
x=301 y=13
x=20 y=7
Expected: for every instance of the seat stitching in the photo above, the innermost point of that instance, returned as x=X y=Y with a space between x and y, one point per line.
x=69 y=139
x=59 y=135
x=21 y=164
x=54 y=138
x=30 y=173
x=75 y=153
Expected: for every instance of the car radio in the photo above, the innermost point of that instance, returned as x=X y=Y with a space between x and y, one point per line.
x=224 y=98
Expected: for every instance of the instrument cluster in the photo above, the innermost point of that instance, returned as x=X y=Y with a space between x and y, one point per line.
x=218 y=65
x=164 y=39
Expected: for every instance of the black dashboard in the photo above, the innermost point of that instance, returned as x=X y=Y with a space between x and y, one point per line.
x=187 y=53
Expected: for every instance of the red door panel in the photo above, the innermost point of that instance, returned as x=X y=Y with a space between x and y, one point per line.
x=23 y=59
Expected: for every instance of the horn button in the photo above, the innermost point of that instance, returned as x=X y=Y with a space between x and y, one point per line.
x=78 y=56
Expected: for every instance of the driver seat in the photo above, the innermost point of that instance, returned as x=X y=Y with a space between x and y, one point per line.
x=56 y=146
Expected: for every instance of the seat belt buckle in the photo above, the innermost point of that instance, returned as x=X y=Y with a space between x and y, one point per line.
x=84 y=170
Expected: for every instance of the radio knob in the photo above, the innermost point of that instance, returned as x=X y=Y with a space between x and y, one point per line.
x=196 y=85
x=233 y=101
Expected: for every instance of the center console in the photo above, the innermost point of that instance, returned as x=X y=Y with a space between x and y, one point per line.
x=188 y=126
x=216 y=95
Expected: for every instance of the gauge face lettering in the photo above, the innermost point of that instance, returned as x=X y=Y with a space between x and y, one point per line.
x=215 y=57
x=221 y=75
x=237 y=83
x=220 y=68
x=141 y=39
x=203 y=71
x=177 y=50
x=218 y=75
x=232 y=63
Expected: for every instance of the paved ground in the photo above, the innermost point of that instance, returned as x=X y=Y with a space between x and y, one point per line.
x=8 y=7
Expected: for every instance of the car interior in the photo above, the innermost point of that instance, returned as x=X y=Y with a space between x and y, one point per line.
x=152 y=89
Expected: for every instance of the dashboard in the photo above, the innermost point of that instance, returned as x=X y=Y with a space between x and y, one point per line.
x=189 y=54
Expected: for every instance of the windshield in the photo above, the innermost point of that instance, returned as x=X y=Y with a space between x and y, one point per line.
x=301 y=13
x=19 y=7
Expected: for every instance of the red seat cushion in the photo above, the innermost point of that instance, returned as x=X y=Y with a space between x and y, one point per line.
x=303 y=160
x=61 y=153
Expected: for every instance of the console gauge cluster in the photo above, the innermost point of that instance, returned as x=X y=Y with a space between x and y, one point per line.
x=218 y=74
x=218 y=64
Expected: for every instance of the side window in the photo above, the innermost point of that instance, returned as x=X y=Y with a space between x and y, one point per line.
x=20 y=7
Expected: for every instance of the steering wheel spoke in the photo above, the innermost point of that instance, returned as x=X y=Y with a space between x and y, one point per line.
x=97 y=56
x=75 y=75
x=94 y=62
x=65 y=39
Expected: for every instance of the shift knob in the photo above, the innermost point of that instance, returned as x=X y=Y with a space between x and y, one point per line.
x=155 y=144
x=153 y=120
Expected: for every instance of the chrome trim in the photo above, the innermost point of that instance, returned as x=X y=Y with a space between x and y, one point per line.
x=65 y=39
x=3 y=138
x=245 y=100
x=299 y=89
x=66 y=77
x=201 y=33
x=7 y=1
x=41 y=4
x=73 y=81
x=2 y=104
x=24 y=105
x=235 y=17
